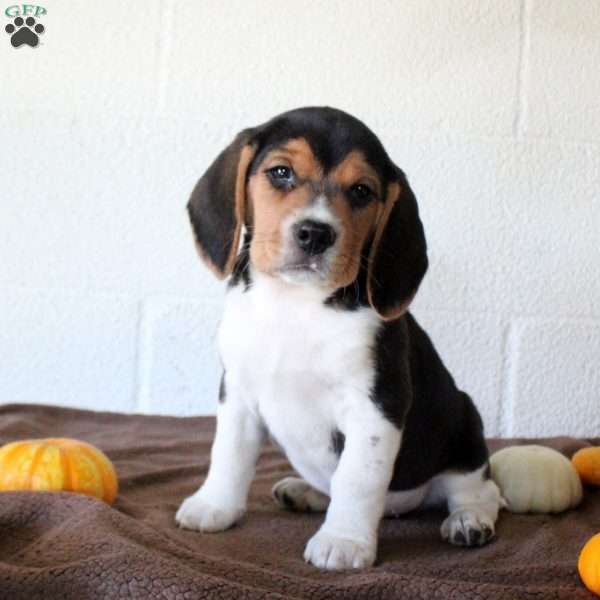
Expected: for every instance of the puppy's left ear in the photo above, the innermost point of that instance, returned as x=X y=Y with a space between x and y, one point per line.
x=398 y=256
x=217 y=206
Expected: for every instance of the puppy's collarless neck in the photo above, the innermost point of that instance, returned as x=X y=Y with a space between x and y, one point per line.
x=268 y=285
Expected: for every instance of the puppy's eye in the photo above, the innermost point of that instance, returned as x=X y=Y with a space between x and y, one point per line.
x=361 y=192
x=281 y=176
x=280 y=172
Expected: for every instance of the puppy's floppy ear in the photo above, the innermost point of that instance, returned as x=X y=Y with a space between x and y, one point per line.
x=398 y=256
x=217 y=205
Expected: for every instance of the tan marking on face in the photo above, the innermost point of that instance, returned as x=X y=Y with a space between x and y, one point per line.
x=270 y=206
x=297 y=154
x=355 y=169
x=357 y=223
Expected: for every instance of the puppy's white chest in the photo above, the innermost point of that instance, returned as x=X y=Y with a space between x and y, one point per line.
x=299 y=365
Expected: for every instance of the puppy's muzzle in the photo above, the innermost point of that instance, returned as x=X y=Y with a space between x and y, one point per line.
x=314 y=237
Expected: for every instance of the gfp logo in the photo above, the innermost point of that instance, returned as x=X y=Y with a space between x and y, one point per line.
x=24 y=28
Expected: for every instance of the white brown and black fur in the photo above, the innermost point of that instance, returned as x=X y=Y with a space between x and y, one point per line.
x=318 y=348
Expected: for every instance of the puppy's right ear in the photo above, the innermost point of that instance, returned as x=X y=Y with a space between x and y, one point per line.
x=217 y=205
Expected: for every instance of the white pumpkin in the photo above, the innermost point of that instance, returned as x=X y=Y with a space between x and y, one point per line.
x=536 y=479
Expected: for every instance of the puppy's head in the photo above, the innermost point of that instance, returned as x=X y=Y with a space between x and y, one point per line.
x=321 y=202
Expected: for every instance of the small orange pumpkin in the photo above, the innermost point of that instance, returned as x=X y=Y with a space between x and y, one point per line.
x=589 y=564
x=587 y=463
x=57 y=464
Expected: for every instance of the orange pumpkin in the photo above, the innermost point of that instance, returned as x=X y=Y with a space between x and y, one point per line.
x=589 y=564
x=587 y=463
x=57 y=464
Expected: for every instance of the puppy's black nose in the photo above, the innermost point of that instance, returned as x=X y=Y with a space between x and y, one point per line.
x=314 y=237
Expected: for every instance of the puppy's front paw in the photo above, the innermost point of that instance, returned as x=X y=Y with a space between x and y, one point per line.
x=198 y=514
x=468 y=527
x=331 y=552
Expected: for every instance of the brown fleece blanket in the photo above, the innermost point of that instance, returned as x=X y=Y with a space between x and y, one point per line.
x=62 y=545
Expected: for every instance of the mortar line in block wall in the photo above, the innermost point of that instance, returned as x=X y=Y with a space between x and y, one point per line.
x=522 y=69
x=506 y=410
x=144 y=360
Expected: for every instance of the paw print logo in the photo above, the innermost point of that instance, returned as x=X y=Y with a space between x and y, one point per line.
x=24 y=32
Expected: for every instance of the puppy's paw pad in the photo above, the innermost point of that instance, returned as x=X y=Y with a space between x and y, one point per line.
x=197 y=514
x=330 y=552
x=468 y=527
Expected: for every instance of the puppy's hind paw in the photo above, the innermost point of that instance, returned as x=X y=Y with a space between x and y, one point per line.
x=468 y=527
x=197 y=514
x=295 y=494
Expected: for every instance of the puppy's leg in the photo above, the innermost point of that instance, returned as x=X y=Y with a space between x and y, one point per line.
x=293 y=493
x=474 y=501
x=399 y=503
x=221 y=500
x=348 y=537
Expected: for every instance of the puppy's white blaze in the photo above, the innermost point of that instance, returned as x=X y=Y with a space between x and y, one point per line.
x=290 y=254
x=319 y=210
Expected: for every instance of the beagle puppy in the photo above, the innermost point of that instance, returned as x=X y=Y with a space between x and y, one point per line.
x=319 y=234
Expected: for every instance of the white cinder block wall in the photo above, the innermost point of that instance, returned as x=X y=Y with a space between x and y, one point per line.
x=492 y=108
